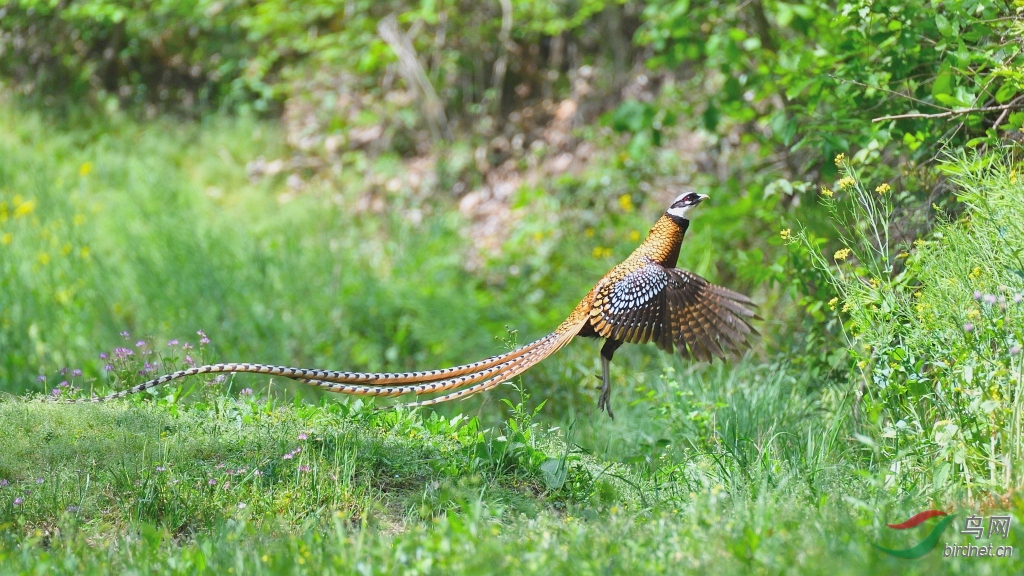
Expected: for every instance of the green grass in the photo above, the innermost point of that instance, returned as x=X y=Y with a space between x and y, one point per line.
x=169 y=488
x=756 y=466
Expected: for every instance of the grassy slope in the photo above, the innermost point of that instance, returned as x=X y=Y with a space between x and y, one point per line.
x=157 y=487
x=737 y=469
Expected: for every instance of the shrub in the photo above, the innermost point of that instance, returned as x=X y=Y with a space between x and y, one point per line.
x=936 y=343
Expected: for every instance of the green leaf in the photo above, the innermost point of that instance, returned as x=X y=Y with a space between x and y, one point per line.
x=943 y=84
x=553 y=472
x=942 y=23
x=1006 y=92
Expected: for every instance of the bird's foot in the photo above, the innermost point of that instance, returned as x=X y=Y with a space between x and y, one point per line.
x=604 y=402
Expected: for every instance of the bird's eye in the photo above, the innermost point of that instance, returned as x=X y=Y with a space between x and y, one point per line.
x=691 y=198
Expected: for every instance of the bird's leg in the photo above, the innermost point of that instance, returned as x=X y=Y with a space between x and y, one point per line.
x=604 y=401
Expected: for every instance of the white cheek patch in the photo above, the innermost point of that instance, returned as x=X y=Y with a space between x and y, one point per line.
x=681 y=212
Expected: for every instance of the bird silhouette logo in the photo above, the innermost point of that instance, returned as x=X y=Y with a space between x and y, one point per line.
x=924 y=546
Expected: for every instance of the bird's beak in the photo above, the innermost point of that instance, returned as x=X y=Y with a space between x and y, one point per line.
x=703 y=197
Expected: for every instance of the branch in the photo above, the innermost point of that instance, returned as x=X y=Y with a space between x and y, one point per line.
x=412 y=72
x=957 y=112
x=887 y=91
x=1003 y=116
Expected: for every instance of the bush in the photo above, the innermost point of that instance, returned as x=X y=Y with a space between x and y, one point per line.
x=936 y=342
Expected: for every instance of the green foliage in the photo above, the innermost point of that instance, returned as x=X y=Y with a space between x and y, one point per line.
x=937 y=341
x=812 y=77
x=193 y=55
x=138 y=231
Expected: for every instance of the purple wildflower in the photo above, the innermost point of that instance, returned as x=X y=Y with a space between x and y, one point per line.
x=40 y=378
x=1017 y=298
x=245 y=392
x=220 y=379
x=123 y=352
x=172 y=343
x=104 y=356
x=63 y=371
x=303 y=468
x=108 y=367
x=76 y=373
x=989 y=298
x=977 y=294
x=189 y=361
x=4 y=483
x=18 y=501
x=55 y=392
x=140 y=344
x=968 y=327
x=1014 y=350
x=186 y=346
x=287 y=456
x=39 y=480
x=125 y=334
x=160 y=469
x=63 y=384
x=73 y=509
x=302 y=436
x=297 y=450
x=202 y=338
x=212 y=482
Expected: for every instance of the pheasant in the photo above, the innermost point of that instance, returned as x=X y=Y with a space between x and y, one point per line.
x=643 y=299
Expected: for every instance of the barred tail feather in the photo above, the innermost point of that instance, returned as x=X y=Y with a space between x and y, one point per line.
x=525 y=360
x=371 y=380
x=518 y=367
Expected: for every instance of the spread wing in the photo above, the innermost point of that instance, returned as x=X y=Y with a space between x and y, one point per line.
x=676 y=309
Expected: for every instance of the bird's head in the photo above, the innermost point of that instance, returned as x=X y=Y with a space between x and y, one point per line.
x=683 y=203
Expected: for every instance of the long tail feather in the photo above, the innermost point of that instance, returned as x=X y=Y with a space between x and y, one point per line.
x=562 y=337
x=374 y=379
x=497 y=371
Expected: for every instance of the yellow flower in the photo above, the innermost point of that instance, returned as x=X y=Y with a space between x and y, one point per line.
x=83 y=252
x=883 y=188
x=23 y=208
x=634 y=236
x=840 y=158
x=832 y=303
x=6 y=238
x=626 y=201
x=601 y=252
x=874 y=282
x=786 y=234
x=85 y=169
x=44 y=258
x=846 y=182
x=589 y=232
x=974 y=273
x=841 y=254
x=826 y=192
x=974 y=313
